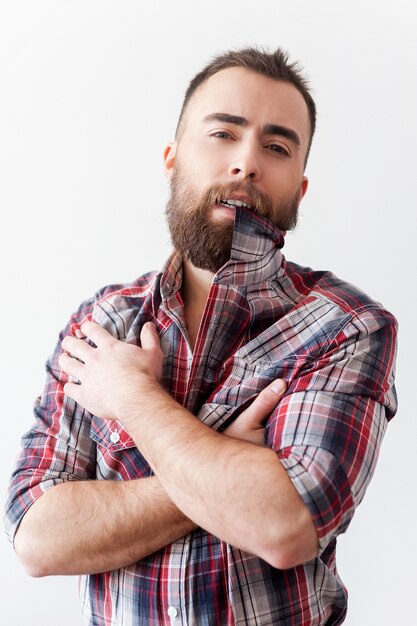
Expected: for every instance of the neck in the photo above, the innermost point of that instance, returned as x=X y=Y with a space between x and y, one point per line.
x=196 y=285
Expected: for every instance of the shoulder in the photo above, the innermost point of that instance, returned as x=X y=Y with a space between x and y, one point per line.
x=118 y=305
x=307 y=286
x=123 y=294
x=342 y=327
x=348 y=338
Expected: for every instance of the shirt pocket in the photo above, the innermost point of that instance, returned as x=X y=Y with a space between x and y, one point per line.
x=272 y=349
x=252 y=368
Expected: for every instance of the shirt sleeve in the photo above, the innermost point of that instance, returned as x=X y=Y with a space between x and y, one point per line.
x=327 y=430
x=58 y=447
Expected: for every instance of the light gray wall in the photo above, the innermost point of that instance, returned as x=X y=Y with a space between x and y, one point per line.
x=89 y=94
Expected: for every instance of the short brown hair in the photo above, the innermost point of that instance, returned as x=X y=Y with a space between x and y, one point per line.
x=271 y=64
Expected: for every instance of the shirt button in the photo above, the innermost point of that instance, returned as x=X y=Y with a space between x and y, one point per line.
x=114 y=437
x=172 y=612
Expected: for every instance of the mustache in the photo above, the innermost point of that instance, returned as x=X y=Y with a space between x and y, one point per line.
x=260 y=201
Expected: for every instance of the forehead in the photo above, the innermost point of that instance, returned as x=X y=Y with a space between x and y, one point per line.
x=261 y=100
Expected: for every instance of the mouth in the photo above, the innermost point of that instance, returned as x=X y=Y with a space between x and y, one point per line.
x=231 y=203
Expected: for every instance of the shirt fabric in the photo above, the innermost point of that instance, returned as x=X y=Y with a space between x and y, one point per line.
x=265 y=318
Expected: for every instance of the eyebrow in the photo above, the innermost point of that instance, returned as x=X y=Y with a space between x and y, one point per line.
x=268 y=129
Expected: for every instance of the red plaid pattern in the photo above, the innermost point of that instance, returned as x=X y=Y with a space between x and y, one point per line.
x=265 y=319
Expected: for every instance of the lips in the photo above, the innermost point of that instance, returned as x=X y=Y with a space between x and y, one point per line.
x=234 y=202
x=223 y=211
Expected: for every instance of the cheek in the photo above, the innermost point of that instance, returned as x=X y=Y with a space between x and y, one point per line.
x=208 y=157
x=282 y=183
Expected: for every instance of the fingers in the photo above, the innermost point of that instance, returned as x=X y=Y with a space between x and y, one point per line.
x=264 y=403
x=269 y=396
x=72 y=390
x=76 y=347
x=149 y=337
x=71 y=366
x=95 y=332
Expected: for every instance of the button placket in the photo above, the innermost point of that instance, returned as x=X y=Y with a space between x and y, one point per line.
x=176 y=587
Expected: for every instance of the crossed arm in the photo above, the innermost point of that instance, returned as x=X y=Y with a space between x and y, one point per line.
x=225 y=483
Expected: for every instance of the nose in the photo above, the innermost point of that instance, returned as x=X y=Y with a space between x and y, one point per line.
x=244 y=164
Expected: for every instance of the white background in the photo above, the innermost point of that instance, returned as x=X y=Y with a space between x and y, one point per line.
x=89 y=94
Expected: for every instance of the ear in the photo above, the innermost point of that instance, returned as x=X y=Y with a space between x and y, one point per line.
x=303 y=188
x=169 y=159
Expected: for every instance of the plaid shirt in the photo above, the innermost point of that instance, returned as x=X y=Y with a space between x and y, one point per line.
x=265 y=319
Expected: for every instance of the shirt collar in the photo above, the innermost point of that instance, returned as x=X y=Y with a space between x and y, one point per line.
x=255 y=255
x=256 y=251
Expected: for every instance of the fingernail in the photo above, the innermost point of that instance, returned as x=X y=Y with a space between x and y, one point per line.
x=278 y=386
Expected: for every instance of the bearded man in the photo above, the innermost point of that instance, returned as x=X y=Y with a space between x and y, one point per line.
x=208 y=431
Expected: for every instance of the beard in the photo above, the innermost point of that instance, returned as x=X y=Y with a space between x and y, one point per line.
x=205 y=242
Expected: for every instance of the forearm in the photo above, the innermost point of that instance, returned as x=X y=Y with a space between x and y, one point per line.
x=235 y=490
x=85 y=527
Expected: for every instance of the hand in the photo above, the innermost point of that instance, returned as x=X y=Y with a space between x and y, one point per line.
x=111 y=373
x=248 y=426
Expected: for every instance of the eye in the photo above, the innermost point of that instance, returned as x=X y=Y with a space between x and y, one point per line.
x=221 y=134
x=274 y=147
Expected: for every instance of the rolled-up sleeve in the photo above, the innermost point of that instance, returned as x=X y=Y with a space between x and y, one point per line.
x=328 y=429
x=58 y=447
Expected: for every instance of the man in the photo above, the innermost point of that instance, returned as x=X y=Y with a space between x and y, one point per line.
x=249 y=396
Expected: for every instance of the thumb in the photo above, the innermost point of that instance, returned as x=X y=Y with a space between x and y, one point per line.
x=149 y=338
x=265 y=402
